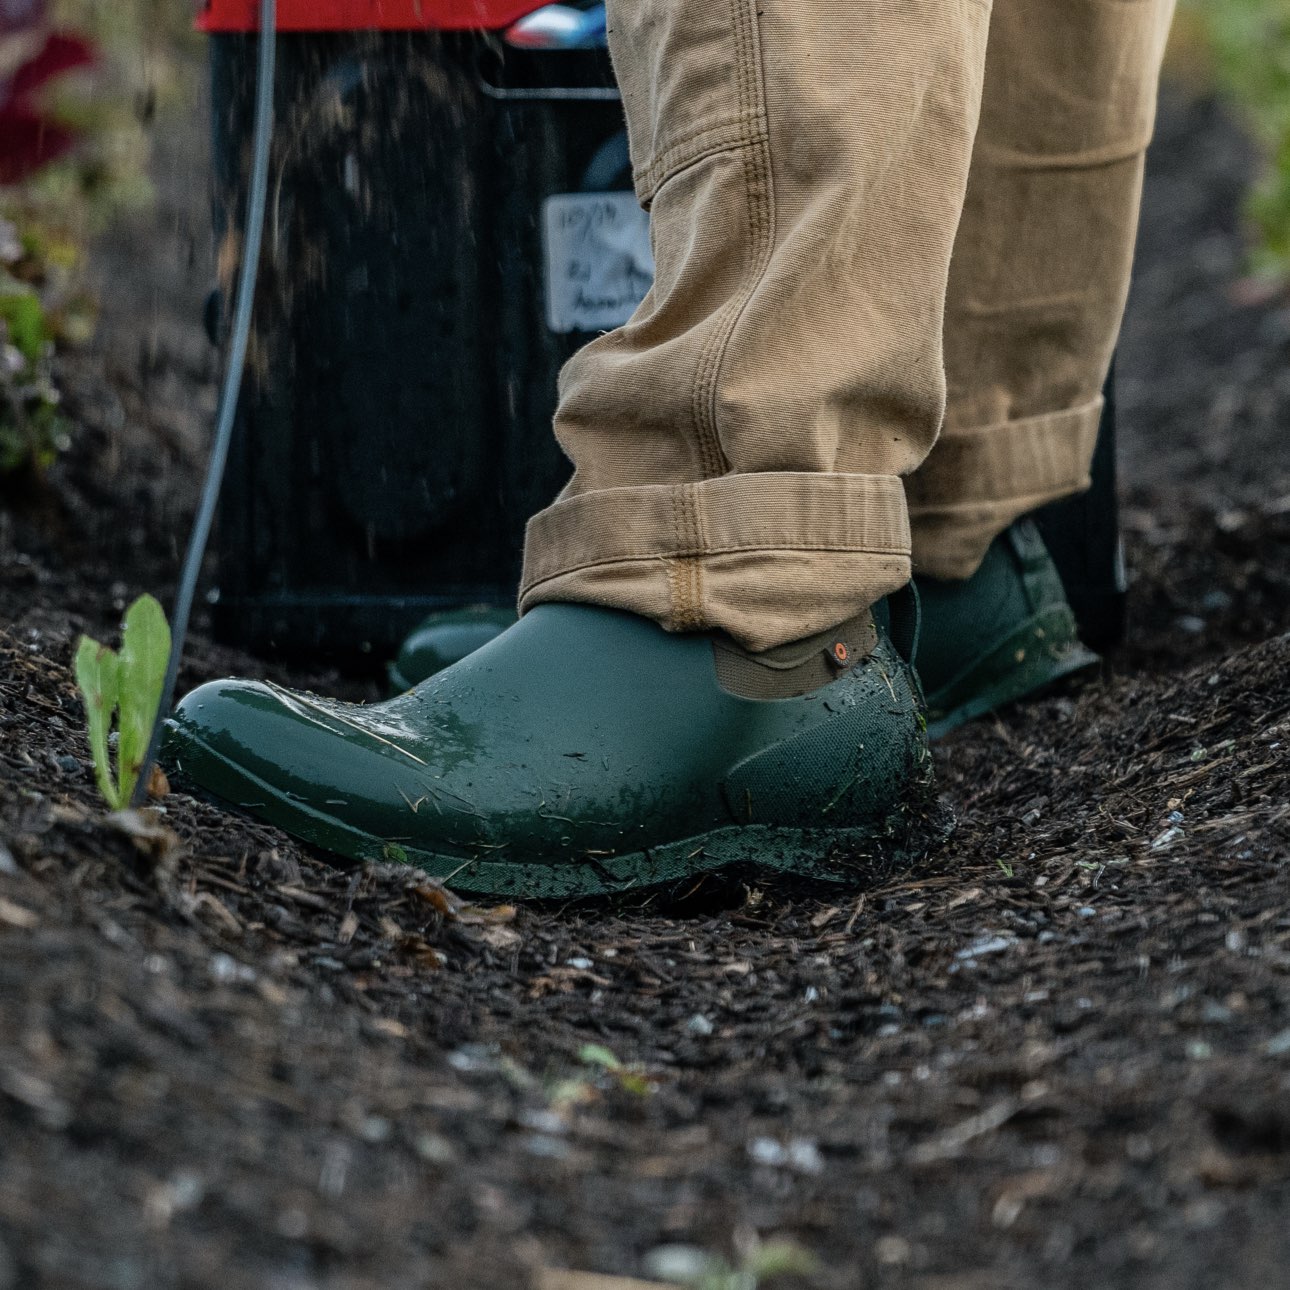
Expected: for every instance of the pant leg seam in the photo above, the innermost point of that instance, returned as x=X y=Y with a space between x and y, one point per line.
x=1111 y=154
x=1027 y=500
x=695 y=616
x=677 y=588
x=711 y=459
x=755 y=548
x=976 y=465
x=671 y=567
x=758 y=192
x=677 y=567
x=685 y=151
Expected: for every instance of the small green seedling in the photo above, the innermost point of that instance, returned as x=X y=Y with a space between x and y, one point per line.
x=600 y=1068
x=632 y=1079
x=696 y=1269
x=127 y=686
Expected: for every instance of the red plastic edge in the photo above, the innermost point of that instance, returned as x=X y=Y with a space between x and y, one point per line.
x=367 y=15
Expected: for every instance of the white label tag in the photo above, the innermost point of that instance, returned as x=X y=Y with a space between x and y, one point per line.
x=598 y=260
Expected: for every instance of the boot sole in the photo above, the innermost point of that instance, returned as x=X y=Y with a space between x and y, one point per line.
x=850 y=856
x=1030 y=660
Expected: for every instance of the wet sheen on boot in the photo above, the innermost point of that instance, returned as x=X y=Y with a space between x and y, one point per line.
x=588 y=751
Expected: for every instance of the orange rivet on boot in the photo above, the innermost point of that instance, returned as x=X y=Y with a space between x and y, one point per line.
x=840 y=653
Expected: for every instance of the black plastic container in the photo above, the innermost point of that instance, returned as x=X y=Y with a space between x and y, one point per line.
x=394 y=431
x=1083 y=535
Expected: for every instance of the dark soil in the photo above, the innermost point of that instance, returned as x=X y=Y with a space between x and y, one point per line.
x=1058 y=1054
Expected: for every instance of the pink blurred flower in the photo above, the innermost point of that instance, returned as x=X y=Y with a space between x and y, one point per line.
x=31 y=55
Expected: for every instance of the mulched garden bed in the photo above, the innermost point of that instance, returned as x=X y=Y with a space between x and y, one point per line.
x=1056 y=1053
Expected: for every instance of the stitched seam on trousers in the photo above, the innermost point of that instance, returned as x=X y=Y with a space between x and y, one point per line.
x=718 y=148
x=1015 y=159
x=740 y=120
x=1027 y=448
x=688 y=618
x=711 y=461
x=1045 y=477
x=684 y=610
x=676 y=586
x=1014 y=503
x=728 y=136
x=671 y=567
x=1028 y=501
x=1038 y=422
x=700 y=516
x=759 y=201
x=1060 y=302
x=689 y=614
x=698 y=539
x=677 y=557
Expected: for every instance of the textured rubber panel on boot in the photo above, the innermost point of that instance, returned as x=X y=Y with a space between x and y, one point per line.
x=584 y=751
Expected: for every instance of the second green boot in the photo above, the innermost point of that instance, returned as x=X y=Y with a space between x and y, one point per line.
x=1003 y=634
x=586 y=751
x=443 y=639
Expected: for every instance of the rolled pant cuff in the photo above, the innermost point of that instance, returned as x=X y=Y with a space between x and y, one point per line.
x=978 y=480
x=767 y=558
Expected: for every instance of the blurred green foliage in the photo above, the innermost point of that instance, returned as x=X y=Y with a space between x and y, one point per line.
x=1243 y=48
x=32 y=428
x=150 y=63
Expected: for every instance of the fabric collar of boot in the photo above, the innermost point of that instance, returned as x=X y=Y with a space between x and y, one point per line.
x=798 y=667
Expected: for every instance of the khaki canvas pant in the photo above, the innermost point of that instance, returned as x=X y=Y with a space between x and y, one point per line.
x=875 y=222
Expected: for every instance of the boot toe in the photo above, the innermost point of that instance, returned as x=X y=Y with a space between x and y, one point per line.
x=227 y=735
x=290 y=757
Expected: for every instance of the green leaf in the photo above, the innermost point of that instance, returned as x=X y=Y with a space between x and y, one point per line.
x=98 y=676
x=635 y=1082
x=598 y=1055
x=24 y=315
x=779 y=1259
x=145 y=648
x=13 y=449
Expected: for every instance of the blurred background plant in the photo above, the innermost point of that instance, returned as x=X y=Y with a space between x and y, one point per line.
x=149 y=61
x=81 y=84
x=32 y=431
x=1241 y=49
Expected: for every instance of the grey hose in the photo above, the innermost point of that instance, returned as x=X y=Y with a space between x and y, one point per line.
x=231 y=387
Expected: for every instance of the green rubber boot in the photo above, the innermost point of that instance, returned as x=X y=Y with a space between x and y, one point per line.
x=444 y=639
x=1004 y=634
x=588 y=751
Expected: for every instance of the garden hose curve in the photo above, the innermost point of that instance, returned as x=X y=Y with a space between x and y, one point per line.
x=232 y=385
